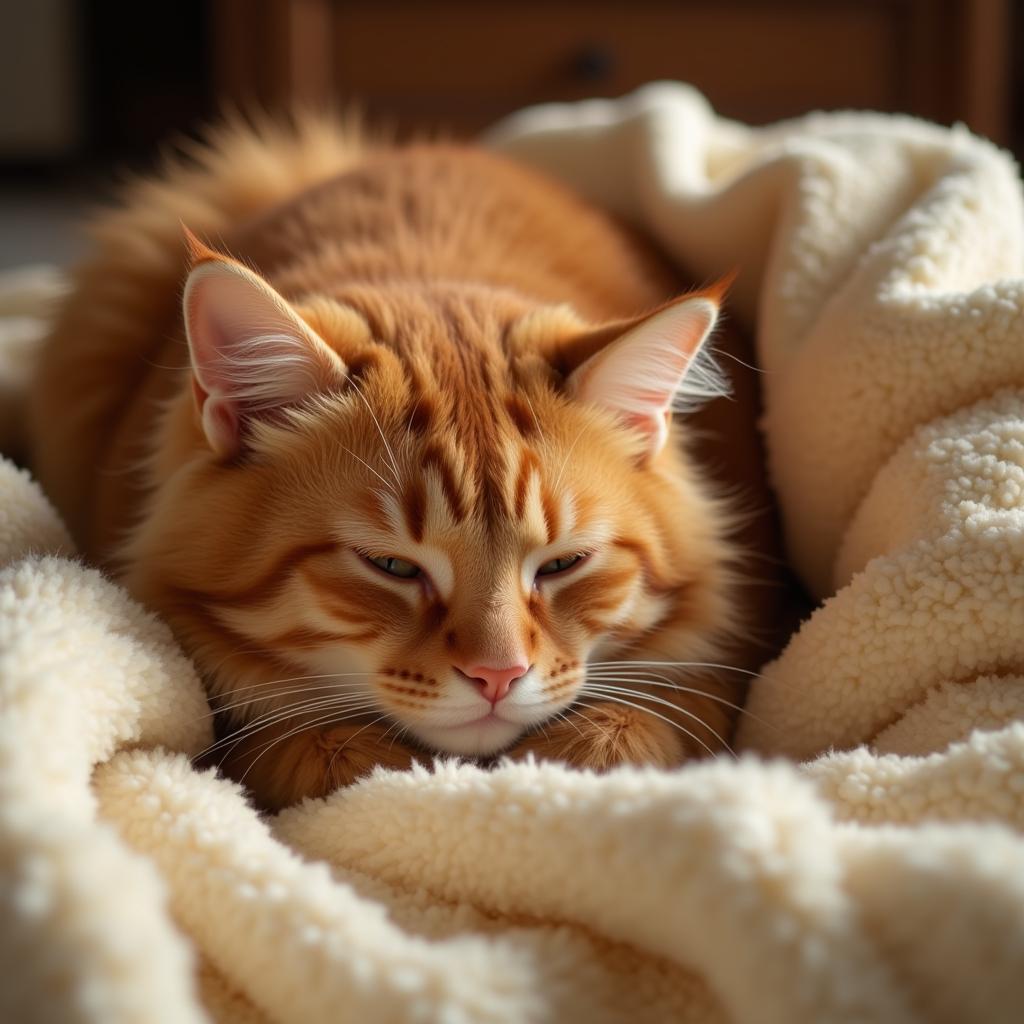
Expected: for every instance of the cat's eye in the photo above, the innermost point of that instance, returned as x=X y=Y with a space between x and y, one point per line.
x=557 y=565
x=395 y=566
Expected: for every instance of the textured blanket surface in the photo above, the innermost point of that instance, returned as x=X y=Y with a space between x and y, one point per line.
x=862 y=860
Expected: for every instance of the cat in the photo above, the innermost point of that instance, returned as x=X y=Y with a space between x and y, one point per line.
x=386 y=435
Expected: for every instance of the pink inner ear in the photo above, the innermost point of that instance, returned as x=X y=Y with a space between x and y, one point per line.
x=222 y=427
x=252 y=355
x=638 y=375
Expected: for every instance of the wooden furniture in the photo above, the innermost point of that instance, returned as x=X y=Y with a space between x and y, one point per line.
x=460 y=64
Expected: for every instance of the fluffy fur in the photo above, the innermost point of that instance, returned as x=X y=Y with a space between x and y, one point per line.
x=430 y=356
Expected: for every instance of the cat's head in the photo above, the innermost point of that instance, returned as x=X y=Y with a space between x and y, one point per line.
x=432 y=505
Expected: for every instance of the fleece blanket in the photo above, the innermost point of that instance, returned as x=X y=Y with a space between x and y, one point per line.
x=862 y=860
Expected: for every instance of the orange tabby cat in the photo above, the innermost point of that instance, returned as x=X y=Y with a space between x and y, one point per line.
x=392 y=452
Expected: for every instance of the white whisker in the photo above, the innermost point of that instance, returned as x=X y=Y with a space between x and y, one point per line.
x=568 y=455
x=540 y=433
x=330 y=764
x=609 y=689
x=675 y=725
x=606 y=680
x=626 y=662
x=387 y=483
x=340 y=701
x=391 y=455
x=327 y=720
x=288 y=691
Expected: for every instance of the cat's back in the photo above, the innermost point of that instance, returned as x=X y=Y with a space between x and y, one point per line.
x=443 y=213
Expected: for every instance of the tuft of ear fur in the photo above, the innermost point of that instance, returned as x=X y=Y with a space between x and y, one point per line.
x=252 y=354
x=644 y=369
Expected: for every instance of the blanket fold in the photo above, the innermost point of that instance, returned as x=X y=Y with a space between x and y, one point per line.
x=871 y=869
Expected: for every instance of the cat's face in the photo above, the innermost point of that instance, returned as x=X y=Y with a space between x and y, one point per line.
x=463 y=585
x=438 y=515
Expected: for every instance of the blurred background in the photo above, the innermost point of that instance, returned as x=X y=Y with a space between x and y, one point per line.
x=92 y=88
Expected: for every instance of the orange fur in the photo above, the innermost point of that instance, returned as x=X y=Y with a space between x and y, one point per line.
x=459 y=293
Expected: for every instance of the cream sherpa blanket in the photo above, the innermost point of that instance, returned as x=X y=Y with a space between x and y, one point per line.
x=877 y=875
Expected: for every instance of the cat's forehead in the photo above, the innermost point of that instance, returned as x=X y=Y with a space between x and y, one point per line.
x=480 y=431
x=470 y=472
x=440 y=512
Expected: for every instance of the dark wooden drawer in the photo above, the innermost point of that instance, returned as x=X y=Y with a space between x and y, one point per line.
x=461 y=64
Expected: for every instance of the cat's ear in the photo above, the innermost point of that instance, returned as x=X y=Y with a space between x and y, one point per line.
x=252 y=355
x=640 y=368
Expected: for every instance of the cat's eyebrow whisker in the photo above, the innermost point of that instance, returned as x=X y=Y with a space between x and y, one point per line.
x=675 y=725
x=384 y=480
x=540 y=433
x=412 y=415
x=391 y=455
x=568 y=455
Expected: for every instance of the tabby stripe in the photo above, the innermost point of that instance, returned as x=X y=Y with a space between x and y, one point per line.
x=258 y=591
x=411 y=691
x=205 y=628
x=521 y=416
x=334 y=604
x=304 y=637
x=609 y=579
x=421 y=415
x=593 y=625
x=414 y=508
x=540 y=613
x=550 y=691
x=434 y=458
x=608 y=604
x=528 y=463
x=653 y=582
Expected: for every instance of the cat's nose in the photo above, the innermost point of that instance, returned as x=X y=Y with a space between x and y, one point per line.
x=494 y=683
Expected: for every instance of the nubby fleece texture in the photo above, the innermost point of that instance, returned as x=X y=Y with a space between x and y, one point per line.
x=862 y=860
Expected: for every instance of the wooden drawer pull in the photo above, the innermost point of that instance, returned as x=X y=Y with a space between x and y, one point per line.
x=594 y=62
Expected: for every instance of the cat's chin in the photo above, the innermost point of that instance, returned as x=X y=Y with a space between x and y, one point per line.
x=482 y=738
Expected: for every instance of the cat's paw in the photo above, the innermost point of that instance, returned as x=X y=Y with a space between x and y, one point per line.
x=602 y=736
x=351 y=751
x=314 y=762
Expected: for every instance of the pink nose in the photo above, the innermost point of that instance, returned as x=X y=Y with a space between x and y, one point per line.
x=494 y=683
